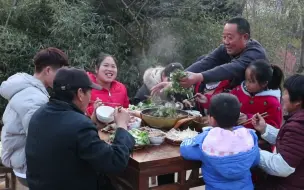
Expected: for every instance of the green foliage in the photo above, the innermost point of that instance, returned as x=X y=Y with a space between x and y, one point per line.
x=176 y=88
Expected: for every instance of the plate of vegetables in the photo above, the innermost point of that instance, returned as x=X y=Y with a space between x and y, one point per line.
x=141 y=138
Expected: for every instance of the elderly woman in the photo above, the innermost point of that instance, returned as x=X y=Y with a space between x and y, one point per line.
x=286 y=166
x=154 y=76
x=113 y=93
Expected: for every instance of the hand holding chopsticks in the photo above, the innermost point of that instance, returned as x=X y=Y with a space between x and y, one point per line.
x=256 y=117
x=259 y=123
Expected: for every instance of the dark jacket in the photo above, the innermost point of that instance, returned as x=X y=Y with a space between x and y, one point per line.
x=290 y=143
x=64 y=151
x=214 y=66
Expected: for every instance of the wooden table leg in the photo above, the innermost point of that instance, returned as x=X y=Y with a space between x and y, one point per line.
x=142 y=183
x=182 y=179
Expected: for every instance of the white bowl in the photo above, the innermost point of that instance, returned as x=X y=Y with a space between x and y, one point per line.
x=157 y=140
x=105 y=114
x=135 y=124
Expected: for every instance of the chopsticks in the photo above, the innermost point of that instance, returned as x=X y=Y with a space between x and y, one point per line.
x=112 y=103
x=193 y=97
x=265 y=114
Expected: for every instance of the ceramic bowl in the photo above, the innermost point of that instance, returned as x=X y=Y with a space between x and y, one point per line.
x=105 y=114
x=135 y=123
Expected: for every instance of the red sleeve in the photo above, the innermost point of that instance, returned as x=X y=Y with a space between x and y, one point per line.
x=126 y=100
x=291 y=144
x=274 y=118
x=207 y=104
x=90 y=110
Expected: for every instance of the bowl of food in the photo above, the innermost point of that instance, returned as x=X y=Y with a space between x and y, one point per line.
x=105 y=114
x=162 y=117
x=134 y=123
x=156 y=136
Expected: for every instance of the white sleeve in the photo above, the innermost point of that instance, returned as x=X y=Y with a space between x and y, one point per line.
x=274 y=164
x=26 y=105
x=270 y=134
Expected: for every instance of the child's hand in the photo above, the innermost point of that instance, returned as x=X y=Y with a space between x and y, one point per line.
x=259 y=123
x=99 y=124
x=243 y=118
x=201 y=98
x=188 y=104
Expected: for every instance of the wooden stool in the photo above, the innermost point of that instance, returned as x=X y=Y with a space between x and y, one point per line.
x=10 y=183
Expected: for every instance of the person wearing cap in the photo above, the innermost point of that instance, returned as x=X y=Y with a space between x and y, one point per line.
x=152 y=77
x=113 y=93
x=25 y=94
x=63 y=148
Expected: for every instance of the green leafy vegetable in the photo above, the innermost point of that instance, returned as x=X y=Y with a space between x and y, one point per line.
x=165 y=111
x=175 y=77
x=141 y=137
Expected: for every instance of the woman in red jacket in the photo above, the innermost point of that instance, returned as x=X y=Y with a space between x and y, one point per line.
x=113 y=93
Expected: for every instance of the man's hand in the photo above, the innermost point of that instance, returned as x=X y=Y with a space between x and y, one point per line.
x=156 y=90
x=99 y=124
x=191 y=79
x=259 y=123
x=121 y=118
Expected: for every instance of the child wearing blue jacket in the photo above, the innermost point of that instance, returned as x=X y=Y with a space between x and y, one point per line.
x=227 y=151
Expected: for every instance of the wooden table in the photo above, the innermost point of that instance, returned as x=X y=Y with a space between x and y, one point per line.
x=154 y=161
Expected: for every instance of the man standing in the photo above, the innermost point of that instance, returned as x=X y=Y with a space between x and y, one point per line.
x=227 y=62
x=26 y=93
x=63 y=148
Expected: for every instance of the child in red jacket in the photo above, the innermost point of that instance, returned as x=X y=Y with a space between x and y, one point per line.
x=259 y=93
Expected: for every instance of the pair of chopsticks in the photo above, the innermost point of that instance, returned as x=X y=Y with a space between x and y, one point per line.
x=265 y=114
x=111 y=103
x=193 y=97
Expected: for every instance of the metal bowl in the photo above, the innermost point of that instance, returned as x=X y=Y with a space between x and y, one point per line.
x=161 y=122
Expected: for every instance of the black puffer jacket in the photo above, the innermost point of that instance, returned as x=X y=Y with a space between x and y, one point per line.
x=64 y=151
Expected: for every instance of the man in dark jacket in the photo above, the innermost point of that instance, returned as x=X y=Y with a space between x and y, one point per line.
x=63 y=149
x=227 y=62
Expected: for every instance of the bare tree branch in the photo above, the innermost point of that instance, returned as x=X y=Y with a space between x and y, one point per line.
x=133 y=15
x=14 y=4
x=137 y=41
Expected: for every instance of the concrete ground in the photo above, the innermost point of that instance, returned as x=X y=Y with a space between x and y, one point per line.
x=21 y=187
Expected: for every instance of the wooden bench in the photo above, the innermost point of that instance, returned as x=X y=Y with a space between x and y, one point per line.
x=9 y=176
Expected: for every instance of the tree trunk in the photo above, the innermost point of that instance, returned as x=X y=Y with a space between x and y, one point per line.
x=301 y=66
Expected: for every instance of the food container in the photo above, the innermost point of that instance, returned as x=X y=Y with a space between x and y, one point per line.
x=161 y=122
x=156 y=136
x=105 y=114
x=157 y=140
x=134 y=123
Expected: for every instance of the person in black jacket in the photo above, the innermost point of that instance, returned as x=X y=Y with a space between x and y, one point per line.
x=63 y=149
x=227 y=62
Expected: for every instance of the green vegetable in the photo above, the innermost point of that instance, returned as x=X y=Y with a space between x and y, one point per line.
x=175 y=77
x=141 y=137
x=165 y=111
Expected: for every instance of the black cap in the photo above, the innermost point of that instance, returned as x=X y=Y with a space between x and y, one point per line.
x=72 y=79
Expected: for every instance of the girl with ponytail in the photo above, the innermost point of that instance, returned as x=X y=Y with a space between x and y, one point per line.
x=259 y=93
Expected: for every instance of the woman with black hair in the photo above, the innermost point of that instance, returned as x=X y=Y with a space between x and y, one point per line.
x=113 y=93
